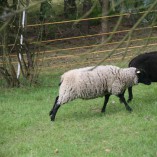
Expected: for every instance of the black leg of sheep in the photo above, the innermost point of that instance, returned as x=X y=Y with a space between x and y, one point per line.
x=130 y=94
x=105 y=102
x=122 y=99
x=54 y=109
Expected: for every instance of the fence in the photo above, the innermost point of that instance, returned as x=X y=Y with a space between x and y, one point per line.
x=86 y=52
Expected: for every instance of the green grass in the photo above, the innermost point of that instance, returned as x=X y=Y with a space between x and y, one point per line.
x=80 y=130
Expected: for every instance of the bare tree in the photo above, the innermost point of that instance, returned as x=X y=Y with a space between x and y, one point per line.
x=7 y=70
x=26 y=63
x=46 y=11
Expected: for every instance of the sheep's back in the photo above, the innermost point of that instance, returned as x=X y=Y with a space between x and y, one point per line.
x=96 y=82
x=90 y=85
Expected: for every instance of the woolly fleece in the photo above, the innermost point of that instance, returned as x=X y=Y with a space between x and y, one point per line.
x=90 y=82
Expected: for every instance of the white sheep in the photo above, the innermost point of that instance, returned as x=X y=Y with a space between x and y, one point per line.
x=90 y=82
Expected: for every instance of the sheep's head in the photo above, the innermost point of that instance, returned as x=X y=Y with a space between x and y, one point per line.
x=143 y=77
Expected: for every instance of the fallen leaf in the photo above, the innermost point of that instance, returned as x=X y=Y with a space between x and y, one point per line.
x=56 y=151
x=107 y=150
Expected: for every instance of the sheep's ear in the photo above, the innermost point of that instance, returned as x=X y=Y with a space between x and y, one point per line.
x=138 y=72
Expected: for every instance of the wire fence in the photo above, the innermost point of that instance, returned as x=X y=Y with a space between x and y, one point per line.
x=56 y=58
x=89 y=53
x=88 y=19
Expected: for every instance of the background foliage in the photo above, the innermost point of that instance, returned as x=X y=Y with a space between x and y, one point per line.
x=56 y=25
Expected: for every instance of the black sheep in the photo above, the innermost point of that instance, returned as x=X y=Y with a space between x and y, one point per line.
x=146 y=62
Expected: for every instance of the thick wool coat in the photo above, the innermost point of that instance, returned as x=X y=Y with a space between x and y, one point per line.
x=90 y=82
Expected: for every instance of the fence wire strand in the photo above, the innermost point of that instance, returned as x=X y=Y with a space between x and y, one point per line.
x=87 y=19
x=95 y=52
x=88 y=36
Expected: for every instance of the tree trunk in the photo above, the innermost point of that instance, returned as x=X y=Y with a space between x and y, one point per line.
x=24 y=48
x=70 y=8
x=85 y=24
x=26 y=64
x=9 y=71
x=42 y=17
x=104 y=23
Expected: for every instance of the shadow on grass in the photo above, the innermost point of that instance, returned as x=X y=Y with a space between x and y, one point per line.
x=90 y=112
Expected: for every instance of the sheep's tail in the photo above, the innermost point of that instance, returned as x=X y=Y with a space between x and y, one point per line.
x=59 y=83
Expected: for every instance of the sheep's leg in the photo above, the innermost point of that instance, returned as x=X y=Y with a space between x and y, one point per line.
x=54 y=105
x=53 y=115
x=130 y=94
x=105 y=102
x=54 y=109
x=122 y=99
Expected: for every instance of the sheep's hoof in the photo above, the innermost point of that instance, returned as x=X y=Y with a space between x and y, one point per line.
x=129 y=100
x=120 y=101
x=50 y=113
x=102 y=111
x=52 y=117
x=129 y=109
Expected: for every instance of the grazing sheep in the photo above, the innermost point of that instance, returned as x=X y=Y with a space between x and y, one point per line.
x=146 y=62
x=90 y=82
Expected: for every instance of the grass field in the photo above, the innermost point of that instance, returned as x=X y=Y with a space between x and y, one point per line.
x=80 y=130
